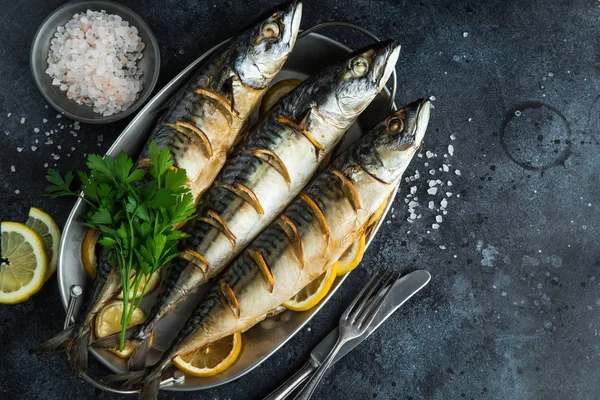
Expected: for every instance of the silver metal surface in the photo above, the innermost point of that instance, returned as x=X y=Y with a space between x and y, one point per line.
x=149 y=63
x=354 y=322
x=311 y=53
x=403 y=289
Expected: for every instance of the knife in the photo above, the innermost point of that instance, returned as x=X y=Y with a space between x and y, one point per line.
x=403 y=289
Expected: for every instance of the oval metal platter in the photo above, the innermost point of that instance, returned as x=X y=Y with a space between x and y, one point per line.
x=312 y=52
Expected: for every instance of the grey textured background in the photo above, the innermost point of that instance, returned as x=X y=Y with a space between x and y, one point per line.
x=513 y=307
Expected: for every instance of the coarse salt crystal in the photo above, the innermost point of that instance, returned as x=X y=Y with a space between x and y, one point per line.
x=22 y=120
x=17 y=191
x=449 y=183
x=444 y=203
x=450 y=150
x=449 y=194
x=431 y=205
x=12 y=168
x=432 y=183
x=19 y=149
x=438 y=219
x=33 y=148
x=413 y=204
x=429 y=154
x=435 y=226
x=445 y=167
x=442 y=247
x=413 y=216
x=36 y=130
x=432 y=191
x=432 y=172
x=413 y=190
x=457 y=172
x=8 y=115
x=58 y=116
x=44 y=120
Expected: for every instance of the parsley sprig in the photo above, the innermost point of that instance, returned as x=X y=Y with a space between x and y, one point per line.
x=136 y=211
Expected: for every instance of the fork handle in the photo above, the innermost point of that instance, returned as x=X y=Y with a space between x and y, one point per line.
x=283 y=391
x=312 y=384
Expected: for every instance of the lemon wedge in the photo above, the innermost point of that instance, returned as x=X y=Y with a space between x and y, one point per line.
x=352 y=256
x=314 y=292
x=378 y=213
x=45 y=226
x=276 y=92
x=23 y=262
x=88 y=251
x=211 y=359
x=108 y=321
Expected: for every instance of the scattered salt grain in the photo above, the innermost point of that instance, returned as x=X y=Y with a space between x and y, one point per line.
x=432 y=98
x=36 y=130
x=435 y=226
x=413 y=204
x=465 y=34
x=449 y=194
x=442 y=247
x=450 y=150
x=431 y=205
x=22 y=120
x=93 y=58
x=429 y=154
x=44 y=120
x=432 y=191
x=518 y=113
x=432 y=183
x=413 y=189
x=45 y=165
x=33 y=148
x=438 y=219
x=58 y=116
x=19 y=149
x=457 y=172
x=12 y=168
x=449 y=183
x=17 y=191
x=445 y=167
x=444 y=203
x=56 y=157
x=8 y=115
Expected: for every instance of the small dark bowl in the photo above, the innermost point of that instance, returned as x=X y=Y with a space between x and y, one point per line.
x=149 y=63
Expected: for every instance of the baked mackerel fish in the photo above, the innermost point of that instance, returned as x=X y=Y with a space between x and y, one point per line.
x=272 y=165
x=308 y=237
x=200 y=126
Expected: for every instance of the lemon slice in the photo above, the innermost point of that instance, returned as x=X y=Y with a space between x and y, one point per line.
x=375 y=217
x=88 y=251
x=276 y=92
x=211 y=359
x=23 y=262
x=314 y=292
x=108 y=321
x=152 y=284
x=352 y=256
x=45 y=226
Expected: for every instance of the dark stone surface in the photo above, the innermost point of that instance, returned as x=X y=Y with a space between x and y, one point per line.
x=512 y=310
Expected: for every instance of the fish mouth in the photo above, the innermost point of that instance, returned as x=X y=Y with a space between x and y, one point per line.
x=419 y=111
x=385 y=56
x=290 y=19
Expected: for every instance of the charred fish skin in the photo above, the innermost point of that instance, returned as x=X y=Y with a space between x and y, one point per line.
x=206 y=116
x=272 y=165
x=311 y=234
x=76 y=338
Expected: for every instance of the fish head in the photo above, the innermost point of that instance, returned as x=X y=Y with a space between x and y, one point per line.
x=268 y=46
x=396 y=140
x=360 y=77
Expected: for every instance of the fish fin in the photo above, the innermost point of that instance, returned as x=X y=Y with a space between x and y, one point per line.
x=150 y=386
x=129 y=378
x=137 y=360
x=77 y=351
x=113 y=340
x=58 y=342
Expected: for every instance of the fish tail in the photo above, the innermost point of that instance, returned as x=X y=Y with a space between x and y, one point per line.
x=113 y=340
x=151 y=385
x=57 y=343
x=77 y=351
x=137 y=361
x=129 y=378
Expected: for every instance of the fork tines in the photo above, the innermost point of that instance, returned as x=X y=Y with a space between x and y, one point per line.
x=362 y=311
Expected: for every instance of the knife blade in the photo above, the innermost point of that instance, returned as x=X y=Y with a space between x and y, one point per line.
x=404 y=288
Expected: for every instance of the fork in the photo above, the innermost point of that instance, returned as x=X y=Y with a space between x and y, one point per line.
x=354 y=322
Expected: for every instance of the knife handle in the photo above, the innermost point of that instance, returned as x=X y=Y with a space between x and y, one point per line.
x=288 y=386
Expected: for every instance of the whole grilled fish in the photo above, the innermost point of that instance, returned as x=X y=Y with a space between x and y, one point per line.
x=200 y=127
x=307 y=238
x=206 y=116
x=275 y=162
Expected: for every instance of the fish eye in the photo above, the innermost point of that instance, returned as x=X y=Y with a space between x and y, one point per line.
x=359 y=66
x=396 y=125
x=270 y=30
